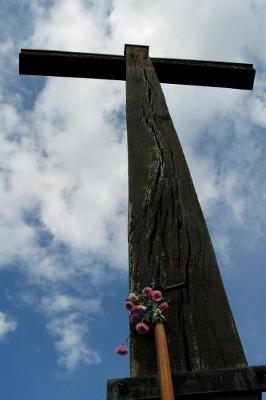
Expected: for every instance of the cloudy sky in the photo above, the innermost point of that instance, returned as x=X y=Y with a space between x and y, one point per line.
x=63 y=182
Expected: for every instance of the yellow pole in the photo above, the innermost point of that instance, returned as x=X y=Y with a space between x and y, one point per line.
x=163 y=364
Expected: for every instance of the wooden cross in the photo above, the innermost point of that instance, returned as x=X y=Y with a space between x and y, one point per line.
x=168 y=237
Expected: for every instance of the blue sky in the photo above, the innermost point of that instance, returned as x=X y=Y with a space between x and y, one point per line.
x=63 y=183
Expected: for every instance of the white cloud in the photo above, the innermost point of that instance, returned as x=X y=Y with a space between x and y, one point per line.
x=86 y=26
x=59 y=303
x=68 y=324
x=185 y=29
x=7 y=325
x=70 y=341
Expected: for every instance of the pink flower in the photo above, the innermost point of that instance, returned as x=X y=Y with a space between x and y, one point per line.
x=134 y=318
x=156 y=295
x=128 y=305
x=147 y=291
x=138 y=308
x=121 y=350
x=142 y=328
x=133 y=297
x=135 y=310
x=164 y=306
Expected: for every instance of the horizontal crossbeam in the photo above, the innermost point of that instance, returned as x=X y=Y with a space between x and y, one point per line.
x=102 y=66
x=228 y=383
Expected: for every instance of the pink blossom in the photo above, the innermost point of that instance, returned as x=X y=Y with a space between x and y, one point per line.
x=133 y=297
x=121 y=350
x=156 y=295
x=135 y=309
x=134 y=318
x=147 y=291
x=142 y=328
x=164 y=306
x=129 y=305
x=138 y=308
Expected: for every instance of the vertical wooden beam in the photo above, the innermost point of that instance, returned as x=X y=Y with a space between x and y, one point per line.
x=168 y=237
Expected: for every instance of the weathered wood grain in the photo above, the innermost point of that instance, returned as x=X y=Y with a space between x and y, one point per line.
x=168 y=237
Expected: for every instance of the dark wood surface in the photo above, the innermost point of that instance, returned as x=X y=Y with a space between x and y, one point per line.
x=102 y=66
x=242 y=383
x=168 y=238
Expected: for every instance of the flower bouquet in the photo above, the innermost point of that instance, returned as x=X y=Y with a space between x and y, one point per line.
x=146 y=309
